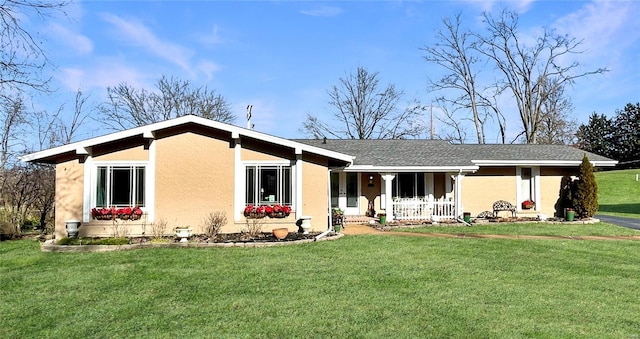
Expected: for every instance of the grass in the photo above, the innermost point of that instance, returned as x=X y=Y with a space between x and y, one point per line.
x=599 y=229
x=619 y=193
x=356 y=287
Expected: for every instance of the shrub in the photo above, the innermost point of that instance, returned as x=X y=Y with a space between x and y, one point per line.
x=254 y=227
x=158 y=228
x=585 y=197
x=214 y=222
x=93 y=241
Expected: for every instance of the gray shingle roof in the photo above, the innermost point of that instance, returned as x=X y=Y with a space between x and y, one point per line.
x=411 y=152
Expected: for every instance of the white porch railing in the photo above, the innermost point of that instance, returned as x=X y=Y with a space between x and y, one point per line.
x=423 y=208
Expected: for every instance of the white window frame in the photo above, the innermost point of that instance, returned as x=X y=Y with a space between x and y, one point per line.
x=111 y=164
x=279 y=164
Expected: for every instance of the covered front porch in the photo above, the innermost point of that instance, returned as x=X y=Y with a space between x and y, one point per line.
x=401 y=195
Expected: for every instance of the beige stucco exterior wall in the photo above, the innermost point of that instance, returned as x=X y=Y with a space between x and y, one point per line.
x=550 y=179
x=69 y=190
x=135 y=153
x=101 y=227
x=194 y=177
x=481 y=189
x=315 y=191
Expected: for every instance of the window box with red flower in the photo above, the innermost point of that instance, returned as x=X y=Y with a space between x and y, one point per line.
x=254 y=212
x=275 y=211
x=124 y=213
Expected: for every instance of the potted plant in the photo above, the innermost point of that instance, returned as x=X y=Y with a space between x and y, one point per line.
x=183 y=233
x=571 y=214
x=280 y=233
x=383 y=218
x=337 y=216
x=528 y=204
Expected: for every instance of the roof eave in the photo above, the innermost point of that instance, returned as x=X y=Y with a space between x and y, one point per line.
x=559 y=163
x=147 y=131
x=399 y=169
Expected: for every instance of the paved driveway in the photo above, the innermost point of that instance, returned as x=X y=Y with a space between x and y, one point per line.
x=620 y=221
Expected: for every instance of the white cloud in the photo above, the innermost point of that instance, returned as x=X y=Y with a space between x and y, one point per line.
x=520 y=6
x=603 y=24
x=100 y=75
x=212 y=38
x=139 y=35
x=323 y=11
x=77 y=42
x=208 y=68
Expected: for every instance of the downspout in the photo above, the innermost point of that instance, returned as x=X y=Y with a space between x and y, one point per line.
x=329 y=221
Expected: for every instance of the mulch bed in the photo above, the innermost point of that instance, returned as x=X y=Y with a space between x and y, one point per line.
x=231 y=238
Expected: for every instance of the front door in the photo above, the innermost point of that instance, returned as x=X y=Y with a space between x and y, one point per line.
x=345 y=192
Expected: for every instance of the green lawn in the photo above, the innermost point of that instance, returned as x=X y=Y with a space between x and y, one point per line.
x=599 y=229
x=619 y=193
x=356 y=287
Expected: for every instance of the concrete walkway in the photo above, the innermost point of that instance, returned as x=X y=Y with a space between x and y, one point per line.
x=356 y=229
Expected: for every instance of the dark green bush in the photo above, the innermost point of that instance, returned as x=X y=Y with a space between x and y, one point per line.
x=585 y=197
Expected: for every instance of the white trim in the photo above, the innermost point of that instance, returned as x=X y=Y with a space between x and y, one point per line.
x=298 y=186
x=535 y=173
x=533 y=163
x=89 y=199
x=150 y=202
x=457 y=195
x=148 y=130
x=239 y=189
x=430 y=185
x=387 y=198
x=535 y=176
x=403 y=169
x=86 y=189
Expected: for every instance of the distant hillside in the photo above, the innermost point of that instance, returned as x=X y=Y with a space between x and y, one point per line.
x=619 y=192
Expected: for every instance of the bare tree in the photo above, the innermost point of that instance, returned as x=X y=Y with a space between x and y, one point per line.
x=364 y=111
x=454 y=52
x=556 y=127
x=455 y=132
x=13 y=119
x=528 y=70
x=130 y=107
x=22 y=59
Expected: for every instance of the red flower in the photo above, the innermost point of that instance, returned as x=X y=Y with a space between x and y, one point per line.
x=137 y=211
x=286 y=210
x=248 y=210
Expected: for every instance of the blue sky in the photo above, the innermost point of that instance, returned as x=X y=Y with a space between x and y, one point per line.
x=283 y=56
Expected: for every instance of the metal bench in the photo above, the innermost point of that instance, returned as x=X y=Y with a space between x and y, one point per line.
x=502 y=205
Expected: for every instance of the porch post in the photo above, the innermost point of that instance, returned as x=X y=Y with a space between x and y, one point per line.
x=458 y=194
x=388 y=202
